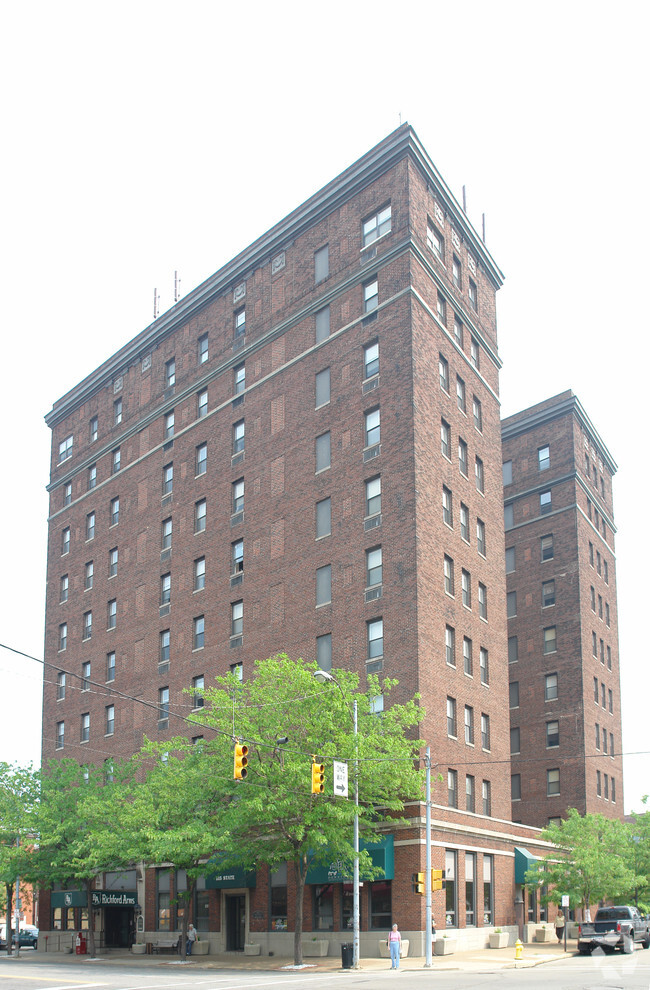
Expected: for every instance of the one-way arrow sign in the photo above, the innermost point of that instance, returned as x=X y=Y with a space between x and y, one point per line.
x=341 y=779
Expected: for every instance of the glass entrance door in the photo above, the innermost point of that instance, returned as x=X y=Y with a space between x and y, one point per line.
x=235 y=922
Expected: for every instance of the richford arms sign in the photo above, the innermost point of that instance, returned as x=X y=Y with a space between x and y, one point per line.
x=100 y=898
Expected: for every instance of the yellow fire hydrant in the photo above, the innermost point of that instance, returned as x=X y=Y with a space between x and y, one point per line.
x=519 y=949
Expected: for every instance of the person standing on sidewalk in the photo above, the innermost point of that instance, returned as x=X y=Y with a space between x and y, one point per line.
x=559 y=925
x=191 y=939
x=394 y=944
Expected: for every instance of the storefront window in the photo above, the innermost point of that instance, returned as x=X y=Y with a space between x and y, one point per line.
x=543 y=911
x=532 y=904
x=69 y=919
x=470 y=889
x=324 y=908
x=84 y=919
x=56 y=920
x=381 y=908
x=278 y=880
x=488 y=889
x=451 y=891
x=164 y=901
x=201 y=906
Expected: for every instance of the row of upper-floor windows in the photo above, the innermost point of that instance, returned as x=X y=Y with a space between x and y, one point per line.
x=449 y=584
x=89 y=575
x=462 y=400
x=470 y=805
x=464 y=521
x=605 y=785
x=87 y=624
x=108 y=727
x=463 y=456
x=468 y=724
x=461 y=279
x=468 y=655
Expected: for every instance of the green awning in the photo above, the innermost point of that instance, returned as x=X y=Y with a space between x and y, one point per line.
x=523 y=862
x=237 y=877
x=381 y=853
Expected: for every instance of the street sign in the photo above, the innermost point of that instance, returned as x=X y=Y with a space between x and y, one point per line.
x=340 y=779
x=565 y=900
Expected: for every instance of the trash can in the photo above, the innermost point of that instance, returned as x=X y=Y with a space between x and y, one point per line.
x=347 y=951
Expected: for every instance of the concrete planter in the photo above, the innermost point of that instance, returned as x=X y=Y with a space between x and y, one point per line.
x=252 y=949
x=544 y=935
x=384 y=951
x=315 y=947
x=573 y=930
x=138 y=949
x=201 y=948
x=498 y=940
x=444 y=946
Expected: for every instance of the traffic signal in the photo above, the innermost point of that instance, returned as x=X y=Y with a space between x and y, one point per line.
x=317 y=777
x=418 y=884
x=437 y=879
x=241 y=762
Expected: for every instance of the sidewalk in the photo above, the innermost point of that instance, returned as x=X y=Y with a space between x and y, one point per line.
x=472 y=961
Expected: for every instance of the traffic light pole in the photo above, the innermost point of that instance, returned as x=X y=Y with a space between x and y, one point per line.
x=427 y=933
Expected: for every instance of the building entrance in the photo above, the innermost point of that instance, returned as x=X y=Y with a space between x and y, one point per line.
x=235 y=922
x=119 y=927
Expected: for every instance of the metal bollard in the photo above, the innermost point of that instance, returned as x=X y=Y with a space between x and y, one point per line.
x=519 y=949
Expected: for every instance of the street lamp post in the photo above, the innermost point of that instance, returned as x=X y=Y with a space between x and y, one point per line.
x=324 y=677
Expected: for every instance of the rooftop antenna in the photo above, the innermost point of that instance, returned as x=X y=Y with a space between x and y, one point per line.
x=483 y=215
x=400 y=118
x=464 y=201
x=156 y=304
x=177 y=287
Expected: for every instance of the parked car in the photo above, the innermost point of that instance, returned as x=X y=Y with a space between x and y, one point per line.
x=26 y=938
x=617 y=927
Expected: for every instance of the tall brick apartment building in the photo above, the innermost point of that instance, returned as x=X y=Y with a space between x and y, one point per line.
x=304 y=454
x=565 y=702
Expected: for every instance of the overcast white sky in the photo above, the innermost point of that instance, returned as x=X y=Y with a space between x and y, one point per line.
x=143 y=137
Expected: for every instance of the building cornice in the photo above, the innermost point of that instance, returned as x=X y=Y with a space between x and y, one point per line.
x=402 y=143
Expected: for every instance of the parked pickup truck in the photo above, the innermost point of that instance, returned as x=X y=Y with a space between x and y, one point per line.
x=614 y=927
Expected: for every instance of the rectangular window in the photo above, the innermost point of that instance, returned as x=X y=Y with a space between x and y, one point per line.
x=372 y=429
x=460 y=394
x=322 y=388
x=237 y=618
x=596 y=690
x=475 y=354
x=117 y=461
x=371 y=360
x=550 y=687
x=60 y=686
x=92 y=476
x=513 y=694
x=323 y=452
x=169 y=425
x=458 y=330
x=450 y=646
x=240 y=378
x=166 y=534
x=480 y=537
x=198 y=687
x=511 y=604
x=90 y=526
x=452 y=788
x=606 y=780
x=238 y=496
x=485 y=731
x=443 y=372
x=604 y=740
x=67 y=492
x=89 y=575
x=544 y=458
x=164 y=646
x=470 y=793
x=324 y=585
x=170 y=373
x=85 y=676
x=445 y=438
x=94 y=426
x=168 y=479
x=165 y=589
x=486 y=792
x=163 y=702
x=373 y=496
x=321 y=263
x=237 y=557
x=203 y=351
x=370 y=296
x=322 y=324
x=508 y=516
x=117 y=412
x=548 y=593
x=488 y=889
x=435 y=241
x=472 y=293
x=375 y=637
x=65 y=449
x=484 y=663
x=513 y=649
x=477 y=412
x=376 y=226
x=110 y=720
x=466 y=588
x=240 y=323
x=373 y=567
x=323 y=518
x=510 y=560
x=110 y=666
x=60 y=734
x=85 y=727
x=447 y=507
x=115 y=511
x=610 y=700
x=515 y=780
x=546 y=544
x=464 y=522
x=550 y=640
x=199 y=574
x=200 y=513
x=451 y=888
x=597 y=734
x=201 y=459
x=324 y=651
x=552 y=782
x=112 y=614
x=479 y=474
x=462 y=456
x=441 y=309
x=545 y=504
x=468 y=656
x=198 y=632
x=87 y=626
x=63 y=588
x=469 y=725
x=470 y=889
x=202 y=403
x=552 y=734
x=63 y=636
x=451 y=717
x=448 y=570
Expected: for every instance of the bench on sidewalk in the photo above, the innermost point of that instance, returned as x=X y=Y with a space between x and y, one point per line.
x=167 y=945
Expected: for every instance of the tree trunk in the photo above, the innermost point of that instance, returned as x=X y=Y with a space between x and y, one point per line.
x=300 y=873
x=9 y=891
x=91 y=918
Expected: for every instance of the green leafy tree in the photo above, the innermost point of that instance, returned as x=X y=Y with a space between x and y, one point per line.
x=18 y=797
x=272 y=817
x=638 y=857
x=589 y=861
x=79 y=834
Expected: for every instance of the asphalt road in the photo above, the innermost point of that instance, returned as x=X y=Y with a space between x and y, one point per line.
x=571 y=973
